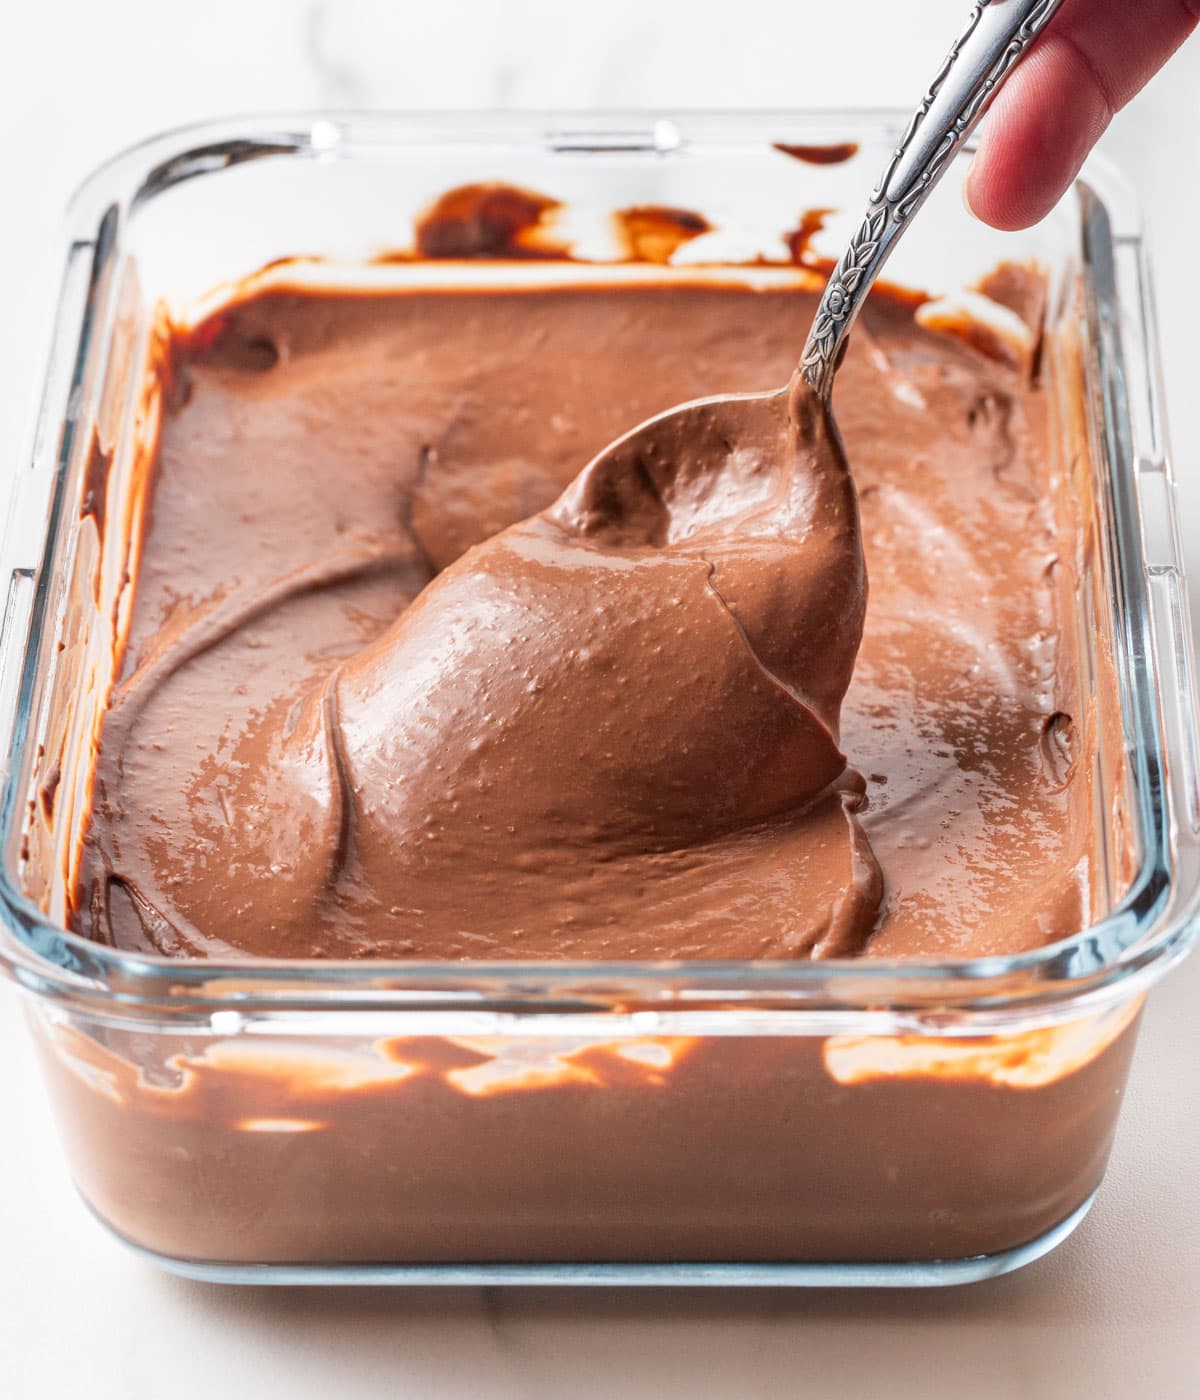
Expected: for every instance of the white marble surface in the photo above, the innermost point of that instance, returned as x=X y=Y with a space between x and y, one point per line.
x=1114 y=1313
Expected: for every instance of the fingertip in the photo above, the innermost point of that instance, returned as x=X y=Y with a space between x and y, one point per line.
x=999 y=201
x=1035 y=138
x=968 y=191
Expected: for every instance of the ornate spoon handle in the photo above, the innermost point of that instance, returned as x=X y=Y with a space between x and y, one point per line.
x=996 y=36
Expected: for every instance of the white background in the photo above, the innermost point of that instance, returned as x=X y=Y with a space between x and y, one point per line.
x=1115 y=1312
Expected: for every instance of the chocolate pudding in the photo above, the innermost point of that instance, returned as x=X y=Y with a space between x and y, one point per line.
x=405 y=681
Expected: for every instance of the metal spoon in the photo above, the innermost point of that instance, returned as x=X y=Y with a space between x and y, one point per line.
x=675 y=449
x=996 y=37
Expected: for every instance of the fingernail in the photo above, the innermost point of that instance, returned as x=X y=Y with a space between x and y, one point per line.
x=966 y=192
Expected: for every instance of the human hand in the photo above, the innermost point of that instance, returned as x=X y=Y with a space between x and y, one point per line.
x=1087 y=64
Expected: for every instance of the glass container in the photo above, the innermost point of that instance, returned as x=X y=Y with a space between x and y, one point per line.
x=865 y=1122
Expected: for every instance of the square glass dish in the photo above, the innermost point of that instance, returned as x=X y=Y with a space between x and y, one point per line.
x=827 y=1122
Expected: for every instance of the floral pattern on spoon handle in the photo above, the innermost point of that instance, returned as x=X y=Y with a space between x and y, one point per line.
x=997 y=35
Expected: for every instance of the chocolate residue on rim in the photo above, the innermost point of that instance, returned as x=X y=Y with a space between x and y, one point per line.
x=94 y=500
x=1011 y=286
x=49 y=790
x=802 y=254
x=653 y=233
x=798 y=241
x=487 y=220
x=835 y=154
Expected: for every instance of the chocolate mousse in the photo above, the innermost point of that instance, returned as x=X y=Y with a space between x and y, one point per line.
x=403 y=681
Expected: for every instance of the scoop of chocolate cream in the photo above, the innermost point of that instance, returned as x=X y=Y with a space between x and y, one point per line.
x=611 y=730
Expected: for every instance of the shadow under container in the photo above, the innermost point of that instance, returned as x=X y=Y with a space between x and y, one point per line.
x=838 y=1122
